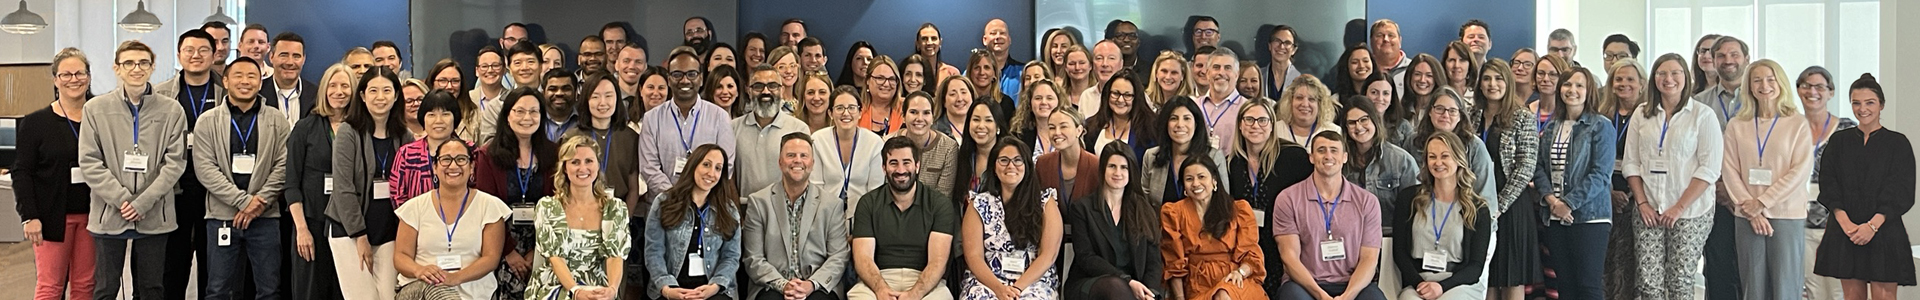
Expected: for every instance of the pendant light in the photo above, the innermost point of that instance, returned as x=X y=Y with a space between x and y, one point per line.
x=140 y=20
x=219 y=15
x=22 y=21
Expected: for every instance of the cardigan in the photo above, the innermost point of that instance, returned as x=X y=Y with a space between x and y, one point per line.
x=213 y=163
x=1473 y=262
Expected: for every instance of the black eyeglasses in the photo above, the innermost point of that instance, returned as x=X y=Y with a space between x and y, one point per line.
x=453 y=160
x=1009 y=161
x=765 y=86
x=684 y=74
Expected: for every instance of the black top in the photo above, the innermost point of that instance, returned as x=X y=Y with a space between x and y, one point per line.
x=381 y=226
x=1106 y=250
x=309 y=164
x=1288 y=168
x=196 y=99
x=900 y=236
x=1868 y=176
x=244 y=139
x=685 y=275
x=1620 y=123
x=383 y=151
x=48 y=151
x=1472 y=263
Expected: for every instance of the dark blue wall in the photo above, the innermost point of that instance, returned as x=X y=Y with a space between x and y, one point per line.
x=1426 y=26
x=332 y=27
x=890 y=24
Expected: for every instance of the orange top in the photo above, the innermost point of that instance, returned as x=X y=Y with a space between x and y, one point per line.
x=892 y=121
x=1204 y=261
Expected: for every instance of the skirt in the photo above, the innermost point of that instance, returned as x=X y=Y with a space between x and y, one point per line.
x=1516 y=255
x=1885 y=259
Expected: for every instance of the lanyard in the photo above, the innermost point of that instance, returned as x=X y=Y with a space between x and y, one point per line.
x=198 y=102
x=686 y=138
x=1723 y=106
x=1224 y=109
x=136 y=124
x=699 y=226
x=245 y=134
x=1762 y=141
x=605 y=144
x=1542 y=119
x=1310 y=132
x=75 y=126
x=1179 y=186
x=1327 y=212
x=1620 y=124
x=846 y=167
x=1817 y=138
x=455 y=223
x=286 y=100
x=1664 y=124
x=1439 y=226
x=1253 y=179
x=525 y=176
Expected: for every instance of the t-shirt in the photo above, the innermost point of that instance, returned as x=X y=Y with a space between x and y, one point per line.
x=461 y=238
x=900 y=236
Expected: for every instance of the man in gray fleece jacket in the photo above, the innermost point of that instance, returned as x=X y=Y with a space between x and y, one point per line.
x=132 y=146
x=241 y=158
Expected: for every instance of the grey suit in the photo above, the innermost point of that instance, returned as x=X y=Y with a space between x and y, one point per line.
x=213 y=163
x=768 y=252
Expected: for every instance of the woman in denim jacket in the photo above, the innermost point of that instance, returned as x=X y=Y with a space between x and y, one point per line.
x=1374 y=162
x=1577 y=180
x=698 y=220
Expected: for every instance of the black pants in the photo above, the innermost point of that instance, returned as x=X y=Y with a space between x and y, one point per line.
x=149 y=266
x=313 y=280
x=1723 y=267
x=188 y=248
x=819 y=293
x=637 y=283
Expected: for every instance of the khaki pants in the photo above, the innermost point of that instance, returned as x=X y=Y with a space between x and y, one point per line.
x=899 y=280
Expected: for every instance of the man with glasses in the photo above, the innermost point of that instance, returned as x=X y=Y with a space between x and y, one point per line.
x=669 y=132
x=133 y=182
x=1616 y=47
x=762 y=126
x=1560 y=43
x=241 y=140
x=697 y=31
x=1722 y=269
x=898 y=227
x=1284 y=43
x=287 y=91
x=592 y=56
x=1337 y=258
x=1126 y=35
x=1389 y=59
x=196 y=89
x=1206 y=32
x=386 y=53
x=559 y=91
x=514 y=33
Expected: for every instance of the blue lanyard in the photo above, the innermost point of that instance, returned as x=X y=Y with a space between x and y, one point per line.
x=287 y=100
x=75 y=126
x=1664 y=124
x=525 y=176
x=135 y=109
x=1326 y=212
x=245 y=134
x=699 y=225
x=846 y=167
x=1179 y=186
x=1224 y=109
x=1310 y=131
x=1439 y=226
x=1253 y=180
x=1542 y=119
x=1620 y=124
x=1723 y=107
x=1762 y=141
x=198 y=102
x=604 y=144
x=455 y=224
x=1817 y=138
x=686 y=139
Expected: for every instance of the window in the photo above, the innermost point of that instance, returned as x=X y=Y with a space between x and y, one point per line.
x=1841 y=35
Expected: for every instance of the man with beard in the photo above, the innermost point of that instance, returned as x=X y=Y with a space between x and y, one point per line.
x=756 y=166
x=697 y=32
x=559 y=91
x=241 y=161
x=288 y=92
x=669 y=132
x=795 y=237
x=896 y=230
x=592 y=56
x=1723 y=278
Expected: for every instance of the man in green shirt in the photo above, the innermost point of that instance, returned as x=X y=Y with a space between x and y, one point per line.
x=896 y=231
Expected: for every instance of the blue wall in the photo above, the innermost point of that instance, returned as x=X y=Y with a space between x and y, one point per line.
x=1426 y=26
x=334 y=26
x=890 y=25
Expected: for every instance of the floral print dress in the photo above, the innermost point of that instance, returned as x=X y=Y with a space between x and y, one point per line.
x=586 y=251
x=993 y=216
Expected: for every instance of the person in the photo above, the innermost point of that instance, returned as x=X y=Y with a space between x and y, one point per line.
x=763 y=125
x=1730 y=60
x=815 y=93
x=1523 y=62
x=1722 y=270
x=1058 y=40
x=1222 y=98
x=1249 y=82
x=198 y=90
x=927 y=43
x=464 y=267
x=1068 y=162
x=243 y=218
x=412 y=169
x=1106 y=63
x=1282 y=44
x=854 y=163
x=222 y=43
x=1039 y=101
x=1869 y=182
x=653 y=92
x=55 y=214
x=1443 y=257
x=1309 y=109
x=1576 y=185
x=939 y=154
x=724 y=87
x=1397 y=115
x=914 y=76
x=1123 y=116
x=615 y=35
x=359 y=214
x=898 y=234
x=879 y=105
x=1560 y=43
x=1011 y=259
x=1478 y=36
x=558 y=91
x=1771 y=233
x=308 y=184
x=1352 y=69
x=998 y=41
x=255 y=43
x=1423 y=80
x=1815 y=87
x=1673 y=221
x=694 y=122
x=412 y=92
x=1336 y=258
x=1447 y=113
x=1206 y=242
x=1078 y=78
x=486 y=95
x=1127 y=35
x=950 y=108
x=791 y=31
x=446 y=76
x=1616 y=47
x=290 y=92
x=513 y=33
x=581 y=242
x=813 y=55
x=1546 y=75
x=1703 y=67
x=1120 y=230
x=132 y=187
x=1384 y=169
x=592 y=55
x=1181 y=142
x=524 y=64
x=698 y=31
x=701 y=212
x=793 y=245
x=1384 y=37
x=521 y=151
x=1269 y=162
x=609 y=125
x=630 y=63
x=1460 y=68
x=386 y=53
x=854 y=71
x=983 y=131
x=1511 y=136
x=1169 y=79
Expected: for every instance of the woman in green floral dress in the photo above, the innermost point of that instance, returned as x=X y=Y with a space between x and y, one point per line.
x=581 y=231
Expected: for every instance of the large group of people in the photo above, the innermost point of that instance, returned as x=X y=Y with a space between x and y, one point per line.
x=745 y=171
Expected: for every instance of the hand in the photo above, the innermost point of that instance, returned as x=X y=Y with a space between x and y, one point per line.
x=1235 y=278
x=517 y=263
x=1429 y=290
x=1562 y=211
x=1348 y=296
x=673 y=293
x=1621 y=201
x=303 y=244
x=1760 y=225
x=894 y=295
x=32 y=230
x=1648 y=216
x=1862 y=234
x=799 y=288
x=242 y=219
x=431 y=275
x=706 y=291
x=127 y=212
x=1140 y=290
x=597 y=292
x=366 y=253
x=1006 y=292
x=1670 y=217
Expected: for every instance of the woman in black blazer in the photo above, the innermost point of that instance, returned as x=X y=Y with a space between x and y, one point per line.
x=1116 y=253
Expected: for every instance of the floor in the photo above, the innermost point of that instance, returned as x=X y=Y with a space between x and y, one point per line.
x=17 y=260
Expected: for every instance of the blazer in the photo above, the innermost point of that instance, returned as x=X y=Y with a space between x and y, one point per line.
x=1518 y=155
x=938 y=163
x=213 y=162
x=666 y=251
x=1093 y=247
x=106 y=137
x=1589 y=174
x=1086 y=179
x=1156 y=176
x=824 y=252
x=354 y=177
x=270 y=92
x=309 y=166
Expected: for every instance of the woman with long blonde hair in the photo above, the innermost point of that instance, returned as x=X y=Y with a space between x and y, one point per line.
x=581 y=230
x=1445 y=221
x=1169 y=79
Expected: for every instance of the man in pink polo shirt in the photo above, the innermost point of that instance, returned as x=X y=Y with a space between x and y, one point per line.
x=1340 y=255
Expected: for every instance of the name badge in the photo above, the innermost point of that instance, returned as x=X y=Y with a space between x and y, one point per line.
x=1013 y=263
x=1434 y=261
x=224 y=236
x=523 y=213
x=381 y=190
x=326 y=185
x=1333 y=249
x=1215 y=140
x=190 y=141
x=696 y=266
x=447 y=262
x=243 y=163
x=133 y=162
x=679 y=165
x=1260 y=216
x=73 y=176
x=1760 y=177
x=1659 y=166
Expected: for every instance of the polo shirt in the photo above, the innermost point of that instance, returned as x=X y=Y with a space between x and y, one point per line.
x=1356 y=220
x=900 y=236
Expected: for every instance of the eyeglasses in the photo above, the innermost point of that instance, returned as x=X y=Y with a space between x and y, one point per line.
x=1446 y=110
x=1617 y=56
x=1009 y=161
x=1123 y=95
x=765 y=86
x=1207 y=32
x=1284 y=44
x=1351 y=122
x=846 y=107
x=885 y=79
x=79 y=75
x=492 y=66
x=1816 y=86
x=684 y=74
x=1127 y=35
x=141 y=64
x=1257 y=120
x=453 y=160
x=447 y=81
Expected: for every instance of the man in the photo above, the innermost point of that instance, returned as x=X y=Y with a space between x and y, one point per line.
x=254 y=43
x=514 y=33
x=1729 y=60
x=559 y=90
x=697 y=31
x=289 y=93
x=1126 y=35
x=1616 y=47
x=242 y=221
x=523 y=65
x=1202 y=57
x=813 y=56
x=691 y=120
x=593 y=55
x=1284 y=43
x=1106 y=63
x=386 y=53
x=132 y=183
x=795 y=245
x=487 y=94
x=1722 y=269
x=614 y=35
x=896 y=231
x=1388 y=57
x=1477 y=37
x=1206 y=32
x=763 y=126
x=997 y=40
x=1339 y=257
x=630 y=62
x=1222 y=102
x=792 y=31
x=1560 y=43
x=197 y=89
x=222 y=42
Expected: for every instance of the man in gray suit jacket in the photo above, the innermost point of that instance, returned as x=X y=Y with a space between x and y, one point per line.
x=796 y=240
x=242 y=162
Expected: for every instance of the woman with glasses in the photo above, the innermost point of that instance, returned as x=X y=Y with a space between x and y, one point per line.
x=1261 y=164
x=693 y=249
x=360 y=221
x=308 y=184
x=849 y=155
x=1523 y=63
x=515 y=166
x=1815 y=86
x=1011 y=259
x=1123 y=116
x=489 y=64
x=582 y=240
x=1546 y=88
x=439 y=258
x=446 y=76
x=56 y=213
x=1384 y=168
x=1447 y=113
x=411 y=92
x=1183 y=141
x=880 y=111
x=787 y=64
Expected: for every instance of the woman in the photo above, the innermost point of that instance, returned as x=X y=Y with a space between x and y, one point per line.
x=309 y=181
x=722 y=54
x=854 y=72
x=984 y=73
x=1269 y=164
x=1770 y=192
x=1447 y=113
x=446 y=76
x=1308 y=110
x=1815 y=88
x=936 y=150
x=1507 y=128
x=1627 y=85
x=463 y=269
x=983 y=132
x=516 y=166
x=1460 y=67
x=1523 y=62
x=1385 y=169
x=787 y=64
x=360 y=219
x=55 y=213
x=1119 y=228
x=1423 y=80
x=1057 y=42
x=1705 y=73
x=753 y=48
x=850 y=165
x=927 y=44
x=490 y=64
x=1546 y=77
x=1354 y=65
x=1005 y=259
x=1036 y=70
x=599 y=101
x=1183 y=140
x=880 y=108
x=1856 y=251
x=412 y=172
x=1250 y=83
x=581 y=231
x=1209 y=241
x=1443 y=252
x=551 y=58
x=1675 y=204
x=950 y=111
x=814 y=95
x=653 y=92
x=693 y=251
x=1169 y=80
x=1079 y=76
x=1579 y=150
x=1397 y=117
x=1117 y=119
x=411 y=92
x=723 y=88
x=1038 y=101
x=914 y=75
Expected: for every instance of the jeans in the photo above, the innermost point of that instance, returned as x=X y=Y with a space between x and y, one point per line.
x=1291 y=290
x=1577 y=255
x=60 y=265
x=259 y=244
x=149 y=266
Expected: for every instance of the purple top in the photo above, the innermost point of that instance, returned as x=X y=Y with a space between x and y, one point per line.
x=666 y=136
x=1356 y=219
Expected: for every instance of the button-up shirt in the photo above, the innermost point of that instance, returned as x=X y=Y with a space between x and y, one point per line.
x=667 y=136
x=1722 y=101
x=1688 y=144
x=1222 y=118
x=759 y=163
x=1355 y=219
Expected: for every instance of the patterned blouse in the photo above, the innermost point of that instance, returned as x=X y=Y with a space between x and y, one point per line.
x=999 y=247
x=586 y=251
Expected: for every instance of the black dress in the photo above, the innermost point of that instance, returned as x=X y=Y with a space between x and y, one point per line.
x=1516 y=248
x=1863 y=177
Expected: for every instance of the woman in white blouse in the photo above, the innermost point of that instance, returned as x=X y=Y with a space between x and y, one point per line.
x=849 y=155
x=1672 y=161
x=436 y=257
x=1768 y=163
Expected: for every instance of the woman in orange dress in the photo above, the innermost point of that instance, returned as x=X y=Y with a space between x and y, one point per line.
x=1210 y=241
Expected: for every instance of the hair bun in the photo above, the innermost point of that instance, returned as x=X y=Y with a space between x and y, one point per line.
x=1868 y=77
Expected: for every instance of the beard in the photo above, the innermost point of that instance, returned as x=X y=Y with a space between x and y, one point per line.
x=766 y=106
x=902 y=182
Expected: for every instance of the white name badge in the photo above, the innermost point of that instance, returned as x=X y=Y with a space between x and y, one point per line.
x=447 y=262
x=133 y=162
x=73 y=176
x=225 y=237
x=190 y=141
x=381 y=190
x=1659 y=166
x=1333 y=249
x=1260 y=216
x=696 y=266
x=1760 y=177
x=326 y=185
x=679 y=165
x=523 y=213
x=1215 y=140
x=243 y=163
x=1434 y=261
x=1013 y=263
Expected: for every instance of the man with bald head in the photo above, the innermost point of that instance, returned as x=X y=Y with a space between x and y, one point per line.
x=996 y=39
